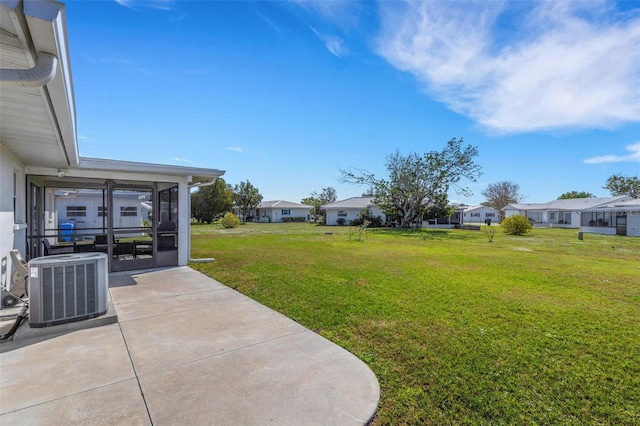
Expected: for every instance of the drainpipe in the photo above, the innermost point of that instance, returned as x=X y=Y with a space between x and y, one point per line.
x=38 y=76
x=197 y=185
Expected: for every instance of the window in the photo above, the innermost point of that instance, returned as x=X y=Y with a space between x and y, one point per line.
x=19 y=192
x=535 y=216
x=552 y=215
x=475 y=214
x=15 y=198
x=128 y=211
x=286 y=212
x=102 y=211
x=76 y=211
x=600 y=219
x=342 y=213
x=490 y=215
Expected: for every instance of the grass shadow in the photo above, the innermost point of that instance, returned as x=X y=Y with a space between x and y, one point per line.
x=425 y=234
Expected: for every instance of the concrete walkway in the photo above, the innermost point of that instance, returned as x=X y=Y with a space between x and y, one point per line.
x=186 y=350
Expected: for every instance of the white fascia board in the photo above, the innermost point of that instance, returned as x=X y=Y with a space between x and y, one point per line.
x=195 y=174
x=108 y=174
x=48 y=30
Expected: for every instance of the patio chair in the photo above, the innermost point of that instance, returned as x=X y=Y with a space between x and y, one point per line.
x=51 y=250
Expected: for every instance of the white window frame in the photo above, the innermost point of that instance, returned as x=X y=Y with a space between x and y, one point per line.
x=76 y=211
x=125 y=211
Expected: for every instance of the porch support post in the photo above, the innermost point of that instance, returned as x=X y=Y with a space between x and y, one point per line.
x=184 y=219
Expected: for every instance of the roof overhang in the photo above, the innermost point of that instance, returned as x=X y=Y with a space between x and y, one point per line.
x=38 y=123
x=99 y=168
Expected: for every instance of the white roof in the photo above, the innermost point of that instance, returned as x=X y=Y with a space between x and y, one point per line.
x=572 y=204
x=351 y=203
x=632 y=204
x=281 y=204
x=472 y=208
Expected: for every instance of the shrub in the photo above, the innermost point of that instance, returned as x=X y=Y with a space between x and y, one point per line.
x=516 y=225
x=374 y=222
x=230 y=220
x=293 y=219
x=341 y=221
x=489 y=232
x=361 y=230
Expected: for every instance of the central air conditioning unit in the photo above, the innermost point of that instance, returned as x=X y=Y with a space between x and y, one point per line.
x=67 y=287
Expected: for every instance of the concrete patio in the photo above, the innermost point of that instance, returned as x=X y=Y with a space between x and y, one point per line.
x=185 y=350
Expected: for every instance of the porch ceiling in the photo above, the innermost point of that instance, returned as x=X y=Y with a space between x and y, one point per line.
x=37 y=124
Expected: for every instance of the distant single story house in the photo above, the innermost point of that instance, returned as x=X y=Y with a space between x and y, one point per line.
x=560 y=213
x=80 y=211
x=40 y=161
x=281 y=211
x=350 y=209
x=616 y=218
x=452 y=221
x=479 y=214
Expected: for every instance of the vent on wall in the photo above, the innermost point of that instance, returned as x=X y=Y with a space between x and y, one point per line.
x=67 y=287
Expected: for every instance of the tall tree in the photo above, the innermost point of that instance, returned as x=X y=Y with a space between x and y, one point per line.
x=619 y=184
x=246 y=198
x=576 y=194
x=418 y=181
x=500 y=194
x=212 y=200
x=314 y=201
x=328 y=195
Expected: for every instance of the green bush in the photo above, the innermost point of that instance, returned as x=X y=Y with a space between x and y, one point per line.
x=374 y=222
x=230 y=220
x=293 y=219
x=516 y=225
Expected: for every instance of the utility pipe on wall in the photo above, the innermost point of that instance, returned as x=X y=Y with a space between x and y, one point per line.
x=38 y=76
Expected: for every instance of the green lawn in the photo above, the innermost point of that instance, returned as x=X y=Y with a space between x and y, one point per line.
x=541 y=329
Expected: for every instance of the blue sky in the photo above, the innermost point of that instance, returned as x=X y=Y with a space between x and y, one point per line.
x=284 y=94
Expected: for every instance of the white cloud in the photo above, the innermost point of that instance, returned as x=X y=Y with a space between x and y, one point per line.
x=344 y=14
x=234 y=148
x=633 y=157
x=148 y=4
x=182 y=160
x=555 y=65
x=335 y=45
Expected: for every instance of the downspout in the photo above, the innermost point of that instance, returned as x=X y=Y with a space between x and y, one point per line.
x=197 y=185
x=38 y=76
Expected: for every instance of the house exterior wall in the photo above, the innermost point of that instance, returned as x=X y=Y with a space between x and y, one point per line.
x=555 y=218
x=13 y=227
x=349 y=214
x=480 y=214
x=598 y=230
x=633 y=225
x=92 y=220
x=274 y=214
x=512 y=212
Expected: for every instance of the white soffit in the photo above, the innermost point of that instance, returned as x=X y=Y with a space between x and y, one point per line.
x=37 y=124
